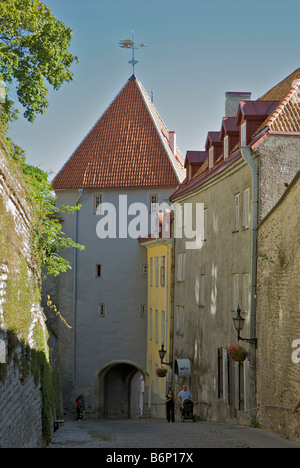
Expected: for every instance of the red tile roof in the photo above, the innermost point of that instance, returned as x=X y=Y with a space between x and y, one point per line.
x=282 y=111
x=127 y=147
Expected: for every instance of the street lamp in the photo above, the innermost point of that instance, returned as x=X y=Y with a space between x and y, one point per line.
x=238 y=324
x=162 y=353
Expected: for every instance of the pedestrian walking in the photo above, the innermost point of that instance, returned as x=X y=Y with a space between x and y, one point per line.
x=184 y=394
x=170 y=405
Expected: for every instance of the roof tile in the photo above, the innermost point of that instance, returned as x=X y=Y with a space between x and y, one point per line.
x=127 y=147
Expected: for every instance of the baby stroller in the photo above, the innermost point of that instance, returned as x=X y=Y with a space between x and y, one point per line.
x=187 y=410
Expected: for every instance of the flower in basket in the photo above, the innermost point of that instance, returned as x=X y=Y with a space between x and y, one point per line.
x=237 y=353
x=161 y=372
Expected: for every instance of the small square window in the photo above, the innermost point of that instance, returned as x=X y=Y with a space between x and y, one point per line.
x=98 y=270
x=145 y=271
x=98 y=204
x=143 y=310
x=101 y=310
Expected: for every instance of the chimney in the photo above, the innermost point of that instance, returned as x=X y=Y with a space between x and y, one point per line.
x=172 y=141
x=232 y=102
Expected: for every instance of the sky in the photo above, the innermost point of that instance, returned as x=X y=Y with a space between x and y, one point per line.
x=196 y=51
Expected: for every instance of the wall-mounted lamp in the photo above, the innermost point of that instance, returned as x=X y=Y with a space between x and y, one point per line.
x=238 y=324
x=162 y=353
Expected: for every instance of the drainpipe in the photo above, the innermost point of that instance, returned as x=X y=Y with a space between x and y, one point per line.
x=247 y=155
x=75 y=286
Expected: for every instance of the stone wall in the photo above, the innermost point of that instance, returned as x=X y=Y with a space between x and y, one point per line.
x=22 y=322
x=278 y=314
x=20 y=411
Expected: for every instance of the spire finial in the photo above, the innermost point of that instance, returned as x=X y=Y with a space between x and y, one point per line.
x=130 y=44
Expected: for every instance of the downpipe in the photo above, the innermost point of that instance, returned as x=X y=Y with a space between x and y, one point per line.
x=75 y=261
x=247 y=156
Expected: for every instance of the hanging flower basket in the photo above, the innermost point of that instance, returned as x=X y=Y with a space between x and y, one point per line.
x=161 y=372
x=237 y=353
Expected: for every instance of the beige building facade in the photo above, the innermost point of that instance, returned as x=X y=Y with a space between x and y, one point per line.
x=249 y=164
x=278 y=314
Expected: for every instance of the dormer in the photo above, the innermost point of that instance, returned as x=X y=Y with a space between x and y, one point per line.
x=250 y=116
x=193 y=161
x=214 y=148
x=229 y=134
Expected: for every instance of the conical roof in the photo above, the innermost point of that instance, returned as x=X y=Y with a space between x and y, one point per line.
x=127 y=147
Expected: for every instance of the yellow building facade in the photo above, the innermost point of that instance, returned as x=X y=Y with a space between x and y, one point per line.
x=159 y=269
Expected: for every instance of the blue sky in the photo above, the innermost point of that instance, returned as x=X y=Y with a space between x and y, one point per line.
x=196 y=50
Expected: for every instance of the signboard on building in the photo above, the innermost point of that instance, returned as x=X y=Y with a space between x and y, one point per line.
x=183 y=367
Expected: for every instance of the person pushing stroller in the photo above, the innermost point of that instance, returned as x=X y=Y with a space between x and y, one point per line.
x=186 y=404
x=184 y=394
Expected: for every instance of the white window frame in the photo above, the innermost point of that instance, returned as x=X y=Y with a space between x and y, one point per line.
x=202 y=291
x=163 y=271
x=246 y=293
x=150 y=324
x=97 y=201
x=156 y=271
x=163 y=327
x=156 y=326
x=235 y=292
x=153 y=202
x=211 y=157
x=179 y=320
x=246 y=208
x=226 y=146
x=205 y=223
x=236 y=223
x=180 y=267
x=244 y=133
x=151 y=271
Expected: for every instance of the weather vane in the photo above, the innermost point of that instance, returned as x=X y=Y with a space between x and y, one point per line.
x=130 y=44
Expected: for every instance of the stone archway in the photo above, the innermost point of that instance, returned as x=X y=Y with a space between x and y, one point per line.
x=117 y=390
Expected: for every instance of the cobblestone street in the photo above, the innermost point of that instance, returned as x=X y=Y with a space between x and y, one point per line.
x=158 y=433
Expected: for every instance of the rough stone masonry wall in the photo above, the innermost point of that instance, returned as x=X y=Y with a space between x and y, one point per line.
x=278 y=315
x=20 y=396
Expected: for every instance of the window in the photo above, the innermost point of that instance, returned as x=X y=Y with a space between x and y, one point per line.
x=151 y=270
x=235 y=291
x=205 y=223
x=180 y=267
x=101 y=310
x=163 y=327
x=145 y=271
x=163 y=271
x=243 y=134
x=211 y=157
x=153 y=201
x=98 y=270
x=143 y=310
x=246 y=208
x=201 y=290
x=97 y=203
x=156 y=270
x=156 y=326
x=179 y=320
x=236 y=222
x=150 y=324
x=226 y=147
x=246 y=293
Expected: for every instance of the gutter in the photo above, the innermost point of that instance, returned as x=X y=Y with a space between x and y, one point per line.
x=247 y=156
x=75 y=285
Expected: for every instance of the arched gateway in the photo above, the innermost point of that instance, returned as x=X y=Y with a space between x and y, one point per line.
x=119 y=390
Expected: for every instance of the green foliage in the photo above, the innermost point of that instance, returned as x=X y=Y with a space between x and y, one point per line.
x=48 y=239
x=47 y=236
x=33 y=51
